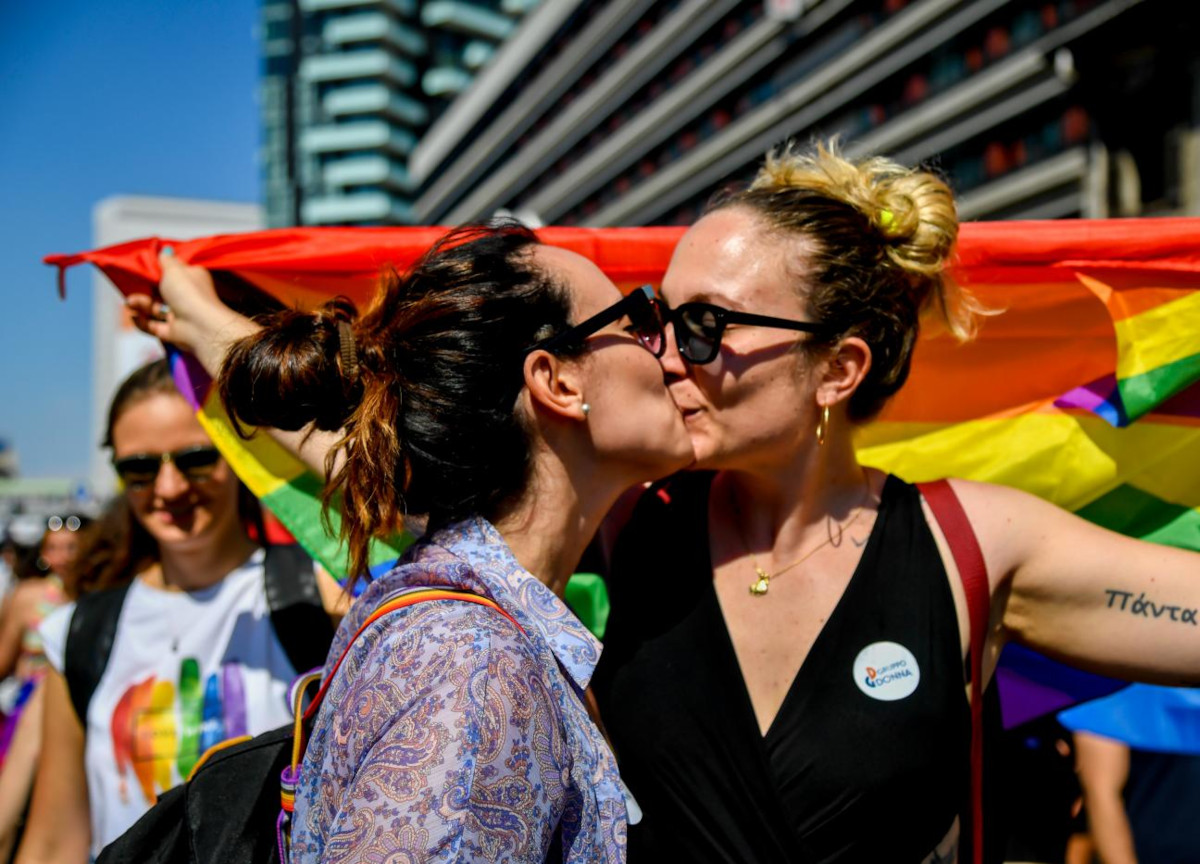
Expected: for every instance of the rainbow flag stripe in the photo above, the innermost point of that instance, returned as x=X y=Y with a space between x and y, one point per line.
x=1083 y=391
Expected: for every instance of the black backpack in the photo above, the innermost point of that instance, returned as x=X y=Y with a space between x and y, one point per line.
x=299 y=619
x=227 y=812
x=230 y=810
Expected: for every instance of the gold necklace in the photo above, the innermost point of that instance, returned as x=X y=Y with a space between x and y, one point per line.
x=762 y=583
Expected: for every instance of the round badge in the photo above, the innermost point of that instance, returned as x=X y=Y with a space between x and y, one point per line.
x=886 y=671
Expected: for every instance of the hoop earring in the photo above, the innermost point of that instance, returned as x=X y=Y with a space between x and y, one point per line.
x=823 y=425
x=586 y=409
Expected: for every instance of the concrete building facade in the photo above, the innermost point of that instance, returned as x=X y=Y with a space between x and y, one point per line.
x=631 y=112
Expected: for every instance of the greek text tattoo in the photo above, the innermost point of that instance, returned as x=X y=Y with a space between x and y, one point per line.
x=1147 y=608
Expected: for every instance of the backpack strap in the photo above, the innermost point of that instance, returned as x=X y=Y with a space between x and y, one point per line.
x=297 y=613
x=394 y=602
x=972 y=569
x=304 y=717
x=90 y=637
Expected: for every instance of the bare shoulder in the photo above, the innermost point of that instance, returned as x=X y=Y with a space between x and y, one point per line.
x=1009 y=523
x=991 y=509
x=1010 y=513
x=989 y=500
x=28 y=593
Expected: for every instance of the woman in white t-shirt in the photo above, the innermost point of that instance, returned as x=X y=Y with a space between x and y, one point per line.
x=194 y=657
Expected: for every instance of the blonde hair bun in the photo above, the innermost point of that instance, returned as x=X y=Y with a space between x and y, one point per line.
x=911 y=210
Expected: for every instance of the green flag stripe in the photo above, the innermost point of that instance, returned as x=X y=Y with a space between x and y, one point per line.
x=298 y=506
x=1142 y=393
x=1135 y=513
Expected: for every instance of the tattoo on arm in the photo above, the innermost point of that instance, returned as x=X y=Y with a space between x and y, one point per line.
x=1145 y=607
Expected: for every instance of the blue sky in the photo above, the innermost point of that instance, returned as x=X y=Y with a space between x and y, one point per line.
x=122 y=97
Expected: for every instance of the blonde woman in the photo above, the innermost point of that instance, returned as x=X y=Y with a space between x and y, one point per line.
x=784 y=666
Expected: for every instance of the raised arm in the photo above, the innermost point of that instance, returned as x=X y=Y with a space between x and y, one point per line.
x=1088 y=596
x=193 y=318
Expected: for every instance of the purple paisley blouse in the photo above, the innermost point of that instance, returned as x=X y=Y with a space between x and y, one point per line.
x=450 y=735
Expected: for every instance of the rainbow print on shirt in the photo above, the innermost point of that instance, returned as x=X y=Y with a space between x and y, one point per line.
x=159 y=729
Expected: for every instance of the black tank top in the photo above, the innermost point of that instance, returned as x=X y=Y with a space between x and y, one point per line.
x=868 y=758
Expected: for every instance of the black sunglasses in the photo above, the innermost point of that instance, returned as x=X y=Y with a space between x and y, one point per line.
x=700 y=326
x=141 y=469
x=646 y=323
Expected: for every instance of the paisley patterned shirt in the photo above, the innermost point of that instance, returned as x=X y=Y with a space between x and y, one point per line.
x=450 y=735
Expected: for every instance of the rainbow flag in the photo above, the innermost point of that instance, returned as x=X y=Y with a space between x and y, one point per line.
x=1144 y=716
x=1083 y=391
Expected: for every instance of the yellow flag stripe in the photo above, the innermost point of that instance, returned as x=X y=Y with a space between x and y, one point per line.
x=1162 y=335
x=263 y=465
x=1069 y=458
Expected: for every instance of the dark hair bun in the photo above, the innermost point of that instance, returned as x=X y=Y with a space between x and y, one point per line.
x=290 y=373
x=430 y=425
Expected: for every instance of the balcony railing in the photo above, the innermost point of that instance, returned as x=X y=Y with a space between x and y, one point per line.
x=374 y=99
x=359 y=135
x=375 y=27
x=357 y=207
x=372 y=63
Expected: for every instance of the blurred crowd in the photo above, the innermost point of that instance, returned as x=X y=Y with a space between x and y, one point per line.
x=37 y=571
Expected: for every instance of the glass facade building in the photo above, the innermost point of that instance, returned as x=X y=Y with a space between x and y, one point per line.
x=348 y=89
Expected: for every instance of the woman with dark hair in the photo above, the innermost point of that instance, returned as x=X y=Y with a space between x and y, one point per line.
x=795 y=690
x=506 y=391
x=176 y=595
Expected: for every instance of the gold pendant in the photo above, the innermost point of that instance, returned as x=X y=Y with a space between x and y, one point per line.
x=759 y=586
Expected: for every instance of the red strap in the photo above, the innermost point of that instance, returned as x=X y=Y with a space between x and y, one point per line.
x=956 y=527
x=404 y=600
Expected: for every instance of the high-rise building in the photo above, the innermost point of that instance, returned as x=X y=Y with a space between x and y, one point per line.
x=348 y=89
x=627 y=112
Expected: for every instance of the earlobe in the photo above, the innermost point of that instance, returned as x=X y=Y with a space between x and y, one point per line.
x=553 y=385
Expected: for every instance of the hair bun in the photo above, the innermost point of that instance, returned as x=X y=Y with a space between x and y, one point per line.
x=882 y=236
x=895 y=220
x=292 y=372
x=339 y=314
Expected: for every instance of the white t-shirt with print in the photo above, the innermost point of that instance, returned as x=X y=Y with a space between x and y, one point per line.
x=188 y=669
